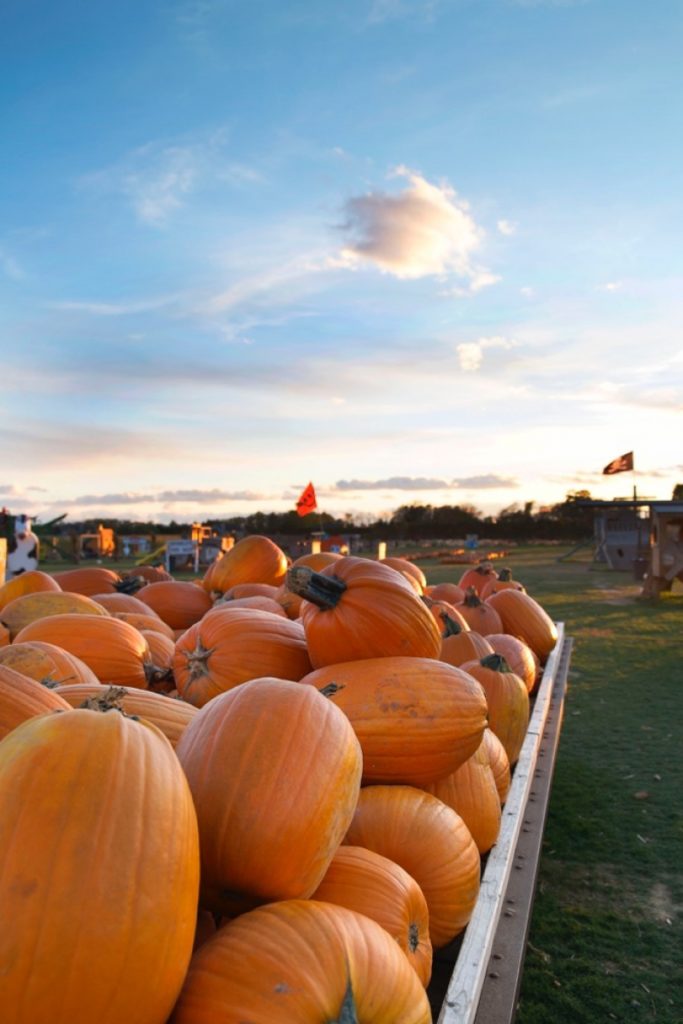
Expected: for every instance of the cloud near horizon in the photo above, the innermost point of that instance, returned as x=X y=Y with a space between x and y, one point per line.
x=487 y=481
x=196 y=496
x=424 y=230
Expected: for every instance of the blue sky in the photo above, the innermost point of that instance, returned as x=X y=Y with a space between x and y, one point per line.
x=412 y=250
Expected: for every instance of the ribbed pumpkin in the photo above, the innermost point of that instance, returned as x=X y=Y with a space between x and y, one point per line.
x=233 y=645
x=524 y=617
x=442 y=611
x=170 y=716
x=357 y=608
x=98 y=871
x=503 y=581
x=26 y=583
x=417 y=719
x=115 y=651
x=254 y=559
x=317 y=560
x=40 y=605
x=161 y=648
x=251 y=590
x=431 y=842
x=22 y=698
x=459 y=645
x=479 y=615
x=148 y=573
x=477 y=576
x=94 y=580
x=5 y=638
x=370 y=884
x=303 y=961
x=500 y=764
x=274 y=770
x=262 y=604
x=518 y=655
x=178 y=604
x=507 y=699
x=412 y=572
x=471 y=792
x=449 y=592
x=123 y=603
x=289 y=602
x=148 y=621
x=47 y=664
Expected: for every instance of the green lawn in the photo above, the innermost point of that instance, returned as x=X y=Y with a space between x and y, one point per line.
x=606 y=940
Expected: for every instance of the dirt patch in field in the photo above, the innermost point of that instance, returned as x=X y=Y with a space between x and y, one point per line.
x=600 y=888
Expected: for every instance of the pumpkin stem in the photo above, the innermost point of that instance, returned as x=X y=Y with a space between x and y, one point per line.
x=451 y=626
x=197 y=660
x=505 y=575
x=496 y=662
x=130 y=584
x=331 y=689
x=347 y=1012
x=110 y=700
x=323 y=591
x=413 y=937
x=472 y=599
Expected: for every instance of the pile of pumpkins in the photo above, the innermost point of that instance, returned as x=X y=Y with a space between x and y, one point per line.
x=260 y=796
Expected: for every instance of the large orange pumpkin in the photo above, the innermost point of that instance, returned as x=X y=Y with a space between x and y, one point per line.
x=431 y=842
x=477 y=576
x=232 y=645
x=370 y=884
x=179 y=604
x=357 y=608
x=503 y=581
x=471 y=792
x=22 y=698
x=517 y=654
x=254 y=559
x=500 y=764
x=47 y=664
x=479 y=615
x=26 y=583
x=524 y=617
x=170 y=716
x=449 y=592
x=459 y=645
x=123 y=603
x=95 y=580
x=417 y=719
x=274 y=770
x=507 y=698
x=41 y=604
x=303 y=961
x=98 y=871
x=412 y=572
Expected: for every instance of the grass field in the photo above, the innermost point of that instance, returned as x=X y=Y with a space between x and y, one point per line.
x=606 y=942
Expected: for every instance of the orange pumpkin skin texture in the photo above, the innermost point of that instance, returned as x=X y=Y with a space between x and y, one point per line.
x=161 y=649
x=22 y=698
x=368 y=611
x=177 y=604
x=303 y=961
x=449 y=592
x=522 y=616
x=168 y=715
x=116 y=652
x=518 y=655
x=500 y=764
x=415 y=576
x=40 y=605
x=233 y=645
x=417 y=719
x=431 y=842
x=480 y=616
x=47 y=664
x=459 y=645
x=254 y=559
x=507 y=698
x=251 y=590
x=442 y=611
x=471 y=792
x=5 y=638
x=477 y=577
x=370 y=884
x=147 y=621
x=504 y=581
x=90 y=581
x=26 y=583
x=98 y=844
x=274 y=770
x=317 y=560
x=262 y=604
x=123 y=603
x=149 y=573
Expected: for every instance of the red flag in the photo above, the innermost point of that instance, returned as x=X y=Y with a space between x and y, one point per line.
x=620 y=465
x=307 y=502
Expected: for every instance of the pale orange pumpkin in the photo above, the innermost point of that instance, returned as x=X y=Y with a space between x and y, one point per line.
x=471 y=792
x=524 y=617
x=459 y=645
x=41 y=604
x=22 y=698
x=29 y=582
x=254 y=559
x=168 y=715
x=500 y=764
x=518 y=655
x=507 y=698
x=480 y=616
x=47 y=663
x=477 y=576
x=449 y=592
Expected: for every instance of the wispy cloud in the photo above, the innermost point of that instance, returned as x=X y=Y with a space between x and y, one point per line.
x=506 y=227
x=10 y=266
x=488 y=481
x=611 y=286
x=391 y=10
x=195 y=496
x=116 y=308
x=424 y=230
x=471 y=353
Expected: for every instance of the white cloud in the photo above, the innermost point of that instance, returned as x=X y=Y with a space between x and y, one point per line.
x=527 y=292
x=612 y=286
x=471 y=353
x=423 y=230
x=10 y=267
x=506 y=227
x=485 y=481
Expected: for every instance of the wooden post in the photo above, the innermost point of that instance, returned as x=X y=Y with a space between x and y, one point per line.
x=3 y=559
x=381 y=550
x=316 y=546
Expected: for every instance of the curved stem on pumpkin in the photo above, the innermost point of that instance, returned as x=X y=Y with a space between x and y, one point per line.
x=323 y=591
x=347 y=1012
x=505 y=575
x=472 y=599
x=496 y=662
x=155 y=675
x=110 y=700
x=130 y=584
x=451 y=626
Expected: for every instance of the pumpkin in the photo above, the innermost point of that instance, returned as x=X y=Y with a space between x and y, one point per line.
x=479 y=615
x=178 y=604
x=524 y=617
x=303 y=961
x=477 y=576
x=504 y=581
x=263 y=604
x=94 y=580
x=161 y=649
x=22 y=698
x=148 y=573
x=26 y=583
x=500 y=764
x=459 y=645
x=394 y=704
x=5 y=637
x=115 y=651
x=357 y=608
x=274 y=770
x=431 y=842
x=148 y=621
x=47 y=664
x=233 y=645
x=507 y=698
x=442 y=610
x=241 y=590
x=42 y=604
x=370 y=884
x=254 y=559
x=412 y=572
x=123 y=603
x=449 y=592
x=517 y=654
x=98 y=852
x=206 y=928
x=471 y=792
x=317 y=560
x=168 y=715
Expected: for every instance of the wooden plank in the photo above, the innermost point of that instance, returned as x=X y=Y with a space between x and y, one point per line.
x=464 y=989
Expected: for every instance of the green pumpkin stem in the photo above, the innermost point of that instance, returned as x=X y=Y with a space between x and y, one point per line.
x=505 y=575
x=496 y=662
x=347 y=1012
x=323 y=591
x=472 y=599
x=451 y=626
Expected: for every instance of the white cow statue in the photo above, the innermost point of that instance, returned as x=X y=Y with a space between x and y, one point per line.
x=23 y=549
